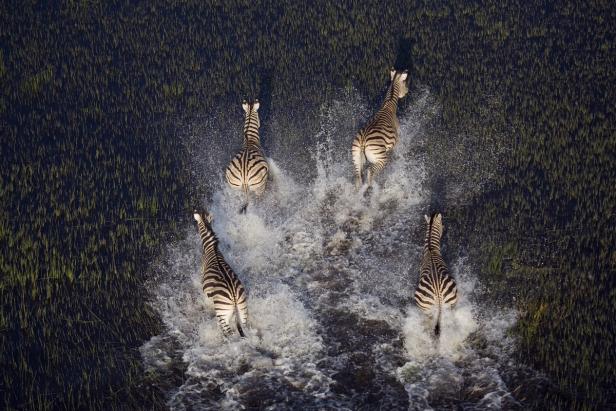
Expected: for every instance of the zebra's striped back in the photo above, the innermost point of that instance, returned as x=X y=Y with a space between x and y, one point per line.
x=248 y=170
x=375 y=141
x=219 y=282
x=436 y=288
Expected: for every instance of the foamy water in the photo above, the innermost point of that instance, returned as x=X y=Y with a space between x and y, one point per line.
x=330 y=275
x=463 y=366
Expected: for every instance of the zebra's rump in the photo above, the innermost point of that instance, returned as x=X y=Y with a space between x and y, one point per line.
x=376 y=141
x=432 y=291
x=377 y=133
x=222 y=286
x=219 y=279
x=248 y=168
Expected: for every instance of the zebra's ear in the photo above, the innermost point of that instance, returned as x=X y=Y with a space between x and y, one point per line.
x=392 y=73
x=427 y=219
x=197 y=216
x=438 y=219
x=256 y=105
x=403 y=76
x=245 y=106
x=209 y=217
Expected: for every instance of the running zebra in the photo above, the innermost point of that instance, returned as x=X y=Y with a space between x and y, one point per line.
x=219 y=282
x=248 y=170
x=436 y=287
x=375 y=141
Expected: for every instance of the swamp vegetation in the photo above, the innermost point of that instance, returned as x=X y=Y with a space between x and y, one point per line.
x=93 y=181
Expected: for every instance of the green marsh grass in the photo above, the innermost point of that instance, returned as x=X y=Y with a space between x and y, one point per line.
x=93 y=182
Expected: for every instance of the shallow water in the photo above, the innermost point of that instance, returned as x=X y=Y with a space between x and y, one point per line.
x=330 y=273
x=108 y=109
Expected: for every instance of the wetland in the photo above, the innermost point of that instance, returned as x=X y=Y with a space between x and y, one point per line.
x=117 y=119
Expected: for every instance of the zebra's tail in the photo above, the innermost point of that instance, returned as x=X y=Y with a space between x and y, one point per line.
x=238 y=323
x=245 y=205
x=437 y=327
x=359 y=157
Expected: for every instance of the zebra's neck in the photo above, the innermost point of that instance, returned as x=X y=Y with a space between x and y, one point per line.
x=208 y=238
x=432 y=247
x=432 y=241
x=391 y=100
x=251 y=130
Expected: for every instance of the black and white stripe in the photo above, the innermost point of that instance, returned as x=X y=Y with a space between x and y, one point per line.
x=436 y=287
x=248 y=171
x=375 y=141
x=219 y=282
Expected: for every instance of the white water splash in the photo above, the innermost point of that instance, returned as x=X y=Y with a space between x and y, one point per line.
x=466 y=360
x=330 y=275
x=282 y=340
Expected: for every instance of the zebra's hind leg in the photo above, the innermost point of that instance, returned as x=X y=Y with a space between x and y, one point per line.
x=375 y=168
x=224 y=325
x=261 y=189
x=241 y=318
x=358 y=162
x=224 y=317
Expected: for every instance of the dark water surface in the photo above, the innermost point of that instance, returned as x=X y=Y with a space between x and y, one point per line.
x=117 y=120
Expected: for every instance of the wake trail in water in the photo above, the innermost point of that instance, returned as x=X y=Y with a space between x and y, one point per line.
x=330 y=275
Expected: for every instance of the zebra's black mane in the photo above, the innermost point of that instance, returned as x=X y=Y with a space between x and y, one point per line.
x=210 y=232
x=390 y=93
x=430 y=226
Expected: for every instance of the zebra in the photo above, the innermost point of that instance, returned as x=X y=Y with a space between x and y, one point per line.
x=374 y=142
x=218 y=280
x=248 y=170
x=436 y=286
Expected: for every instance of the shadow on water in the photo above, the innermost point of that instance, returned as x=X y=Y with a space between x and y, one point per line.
x=404 y=57
x=438 y=188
